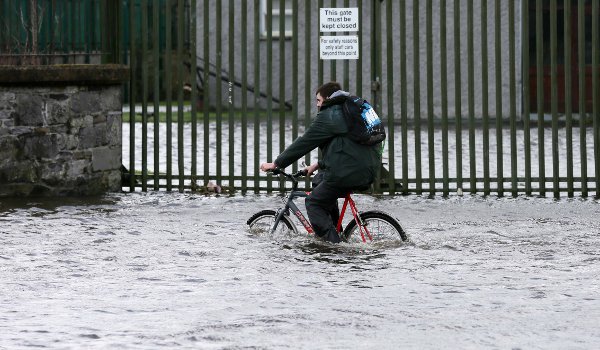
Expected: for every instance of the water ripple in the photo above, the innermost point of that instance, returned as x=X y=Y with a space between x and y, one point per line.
x=164 y=270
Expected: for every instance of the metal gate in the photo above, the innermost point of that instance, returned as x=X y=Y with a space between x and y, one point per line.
x=488 y=96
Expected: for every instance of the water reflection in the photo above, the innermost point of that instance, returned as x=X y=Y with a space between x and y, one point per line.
x=45 y=205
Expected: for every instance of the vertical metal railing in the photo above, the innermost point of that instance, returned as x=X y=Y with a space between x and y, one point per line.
x=231 y=96
x=525 y=66
x=568 y=86
x=193 y=52
x=219 y=100
x=510 y=109
x=430 y=115
x=458 y=95
x=179 y=81
x=308 y=82
x=512 y=97
x=417 y=97
x=244 y=143
x=169 y=93
x=485 y=114
x=391 y=177
x=257 y=86
x=444 y=96
x=144 y=97
x=582 y=92
x=403 y=96
x=539 y=30
x=269 y=80
x=499 y=102
x=132 y=98
x=471 y=99
x=596 y=89
x=554 y=96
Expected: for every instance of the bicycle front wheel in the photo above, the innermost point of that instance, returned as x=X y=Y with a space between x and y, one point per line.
x=380 y=228
x=261 y=223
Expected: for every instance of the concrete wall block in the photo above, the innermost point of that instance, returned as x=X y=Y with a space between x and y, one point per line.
x=85 y=102
x=105 y=158
x=114 y=129
x=9 y=123
x=43 y=146
x=71 y=142
x=111 y=99
x=101 y=135
x=59 y=97
x=23 y=171
x=101 y=182
x=7 y=96
x=57 y=112
x=87 y=137
x=88 y=121
x=113 y=180
x=62 y=129
x=76 y=169
x=52 y=172
x=6 y=114
x=20 y=130
x=98 y=119
x=30 y=110
x=75 y=123
x=82 y=154
x=9 y=149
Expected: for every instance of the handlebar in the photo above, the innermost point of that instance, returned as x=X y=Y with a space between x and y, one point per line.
x=295 y=176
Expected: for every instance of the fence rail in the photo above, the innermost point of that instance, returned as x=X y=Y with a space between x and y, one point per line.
x=489 y=96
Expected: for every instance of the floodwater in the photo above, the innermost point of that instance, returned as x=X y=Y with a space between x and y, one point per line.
x=170 y=270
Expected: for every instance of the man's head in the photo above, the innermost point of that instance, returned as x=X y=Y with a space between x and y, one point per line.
x=326 y=90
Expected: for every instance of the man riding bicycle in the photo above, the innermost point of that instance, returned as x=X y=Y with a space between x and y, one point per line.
x=345 y=166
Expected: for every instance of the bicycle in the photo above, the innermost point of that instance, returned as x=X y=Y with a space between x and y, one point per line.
x=366 y=227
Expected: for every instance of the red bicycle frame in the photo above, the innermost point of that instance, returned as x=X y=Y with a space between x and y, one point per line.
x=361 y=226
x=291 y=206
x=348 y=201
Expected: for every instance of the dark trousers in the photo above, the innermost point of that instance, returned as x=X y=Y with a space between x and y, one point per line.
x=322 y=208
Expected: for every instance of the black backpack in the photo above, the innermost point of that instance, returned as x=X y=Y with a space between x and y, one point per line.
x=364 y=125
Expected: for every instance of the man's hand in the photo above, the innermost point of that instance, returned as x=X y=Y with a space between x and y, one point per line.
x=267 y=166
x=311 y=169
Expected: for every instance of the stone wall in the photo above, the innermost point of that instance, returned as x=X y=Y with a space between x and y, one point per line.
x=60 y=137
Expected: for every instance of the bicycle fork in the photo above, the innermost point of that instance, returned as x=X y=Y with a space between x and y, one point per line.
x=278 y=217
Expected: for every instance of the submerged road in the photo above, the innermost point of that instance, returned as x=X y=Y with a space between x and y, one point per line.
x=170 y=270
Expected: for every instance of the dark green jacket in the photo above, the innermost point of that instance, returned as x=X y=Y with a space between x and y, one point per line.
x=345 y=163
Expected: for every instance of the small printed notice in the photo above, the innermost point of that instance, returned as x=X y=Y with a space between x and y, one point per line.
x=339 y=19
x=339 y=47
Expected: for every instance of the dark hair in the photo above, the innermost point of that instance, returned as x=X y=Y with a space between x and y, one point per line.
x=328 y=89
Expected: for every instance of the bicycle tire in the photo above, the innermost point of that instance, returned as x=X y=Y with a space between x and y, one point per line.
x=381 y=226
x=260 y=224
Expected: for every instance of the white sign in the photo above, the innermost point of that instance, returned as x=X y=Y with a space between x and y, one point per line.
x=339 y=47
x=339 y=19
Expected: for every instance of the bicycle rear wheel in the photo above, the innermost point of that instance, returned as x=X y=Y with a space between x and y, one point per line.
x=261 y=223
x=381 y=228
